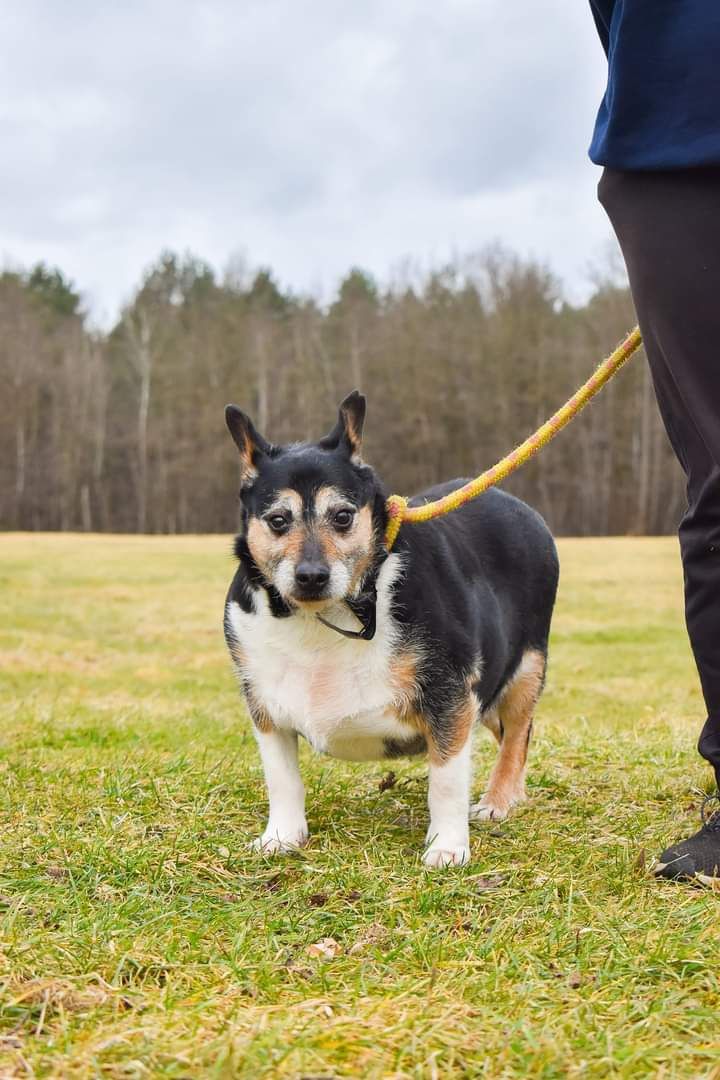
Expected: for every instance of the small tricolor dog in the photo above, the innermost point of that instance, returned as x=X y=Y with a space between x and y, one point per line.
x=370 y=654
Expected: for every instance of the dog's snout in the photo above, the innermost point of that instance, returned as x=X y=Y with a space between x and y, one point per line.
x=312 y=575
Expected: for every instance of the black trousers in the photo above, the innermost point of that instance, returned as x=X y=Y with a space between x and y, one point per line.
x=668 y=225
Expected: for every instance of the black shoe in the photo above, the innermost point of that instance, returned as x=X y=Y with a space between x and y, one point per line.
x=698 y=857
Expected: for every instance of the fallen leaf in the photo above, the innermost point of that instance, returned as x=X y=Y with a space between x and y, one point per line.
x=640 y=860
x=105 y=891
x=56 y=993
x=487 y=882
x=223 y=852
x=372 y=934
x=327 y=948
x=575 y=980
x=57 y=872
x=299 y=970
x=389 y=780
x=317 y=899
x=10 y=1042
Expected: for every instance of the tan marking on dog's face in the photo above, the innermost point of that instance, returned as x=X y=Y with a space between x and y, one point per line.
x=327 y=500
x=268 y=548
x=347 y=551
x=352 y=547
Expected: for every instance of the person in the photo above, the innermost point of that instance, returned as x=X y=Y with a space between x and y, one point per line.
x=657 y=136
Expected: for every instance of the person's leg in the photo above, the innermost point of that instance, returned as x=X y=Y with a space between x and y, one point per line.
x=668 y=225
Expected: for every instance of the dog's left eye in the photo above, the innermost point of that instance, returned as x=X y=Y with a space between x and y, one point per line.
x=343 y=519
x=277 y=522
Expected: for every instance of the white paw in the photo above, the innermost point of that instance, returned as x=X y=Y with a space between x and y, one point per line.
x=437 y=856
x=276 y=841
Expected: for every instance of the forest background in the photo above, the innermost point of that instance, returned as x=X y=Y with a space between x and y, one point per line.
x=122 y=430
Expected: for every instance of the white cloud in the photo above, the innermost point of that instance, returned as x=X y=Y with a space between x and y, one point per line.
x=310 y=135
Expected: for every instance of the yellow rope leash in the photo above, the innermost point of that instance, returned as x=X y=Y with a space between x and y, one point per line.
x=399 y=513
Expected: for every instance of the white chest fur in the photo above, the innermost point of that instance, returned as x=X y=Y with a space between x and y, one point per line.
x=337 y=692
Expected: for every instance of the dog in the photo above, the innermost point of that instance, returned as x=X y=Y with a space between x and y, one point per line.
x=370 y=654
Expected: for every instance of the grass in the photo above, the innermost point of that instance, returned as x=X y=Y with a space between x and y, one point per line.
x=141 y=938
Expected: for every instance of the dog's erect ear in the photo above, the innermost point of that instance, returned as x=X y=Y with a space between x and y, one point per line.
x=347 y=433
x=249 y=442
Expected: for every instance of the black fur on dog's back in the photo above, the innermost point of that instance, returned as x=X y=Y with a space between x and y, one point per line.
x=477 y=582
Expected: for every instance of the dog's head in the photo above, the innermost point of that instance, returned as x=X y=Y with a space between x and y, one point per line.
x=313 y=513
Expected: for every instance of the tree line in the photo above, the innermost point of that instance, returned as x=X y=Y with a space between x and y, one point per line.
x=123 y=430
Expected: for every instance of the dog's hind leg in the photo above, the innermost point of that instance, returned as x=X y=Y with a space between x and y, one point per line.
x=491 y=721
x=515 y=711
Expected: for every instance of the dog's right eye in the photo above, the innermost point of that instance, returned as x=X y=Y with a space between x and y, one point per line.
x=278 y=523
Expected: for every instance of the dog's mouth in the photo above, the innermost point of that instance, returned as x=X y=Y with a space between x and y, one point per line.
x=313 y=597
x=310 y=602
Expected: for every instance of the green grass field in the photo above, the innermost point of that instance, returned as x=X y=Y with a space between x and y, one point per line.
x=140 y=937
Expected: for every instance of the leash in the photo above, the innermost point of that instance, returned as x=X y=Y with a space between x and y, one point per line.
x=400 y=513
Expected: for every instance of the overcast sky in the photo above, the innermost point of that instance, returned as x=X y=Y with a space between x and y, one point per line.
x=308 y=135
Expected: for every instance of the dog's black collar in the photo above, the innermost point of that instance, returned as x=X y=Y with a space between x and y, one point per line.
x=364 y=608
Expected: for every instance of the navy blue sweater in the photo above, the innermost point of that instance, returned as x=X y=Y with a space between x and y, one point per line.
x=661 y=109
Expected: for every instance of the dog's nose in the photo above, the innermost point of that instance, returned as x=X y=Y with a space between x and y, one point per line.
x=310 y=575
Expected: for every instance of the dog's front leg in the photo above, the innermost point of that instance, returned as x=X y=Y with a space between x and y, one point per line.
x=286 y=828
x=448 y=837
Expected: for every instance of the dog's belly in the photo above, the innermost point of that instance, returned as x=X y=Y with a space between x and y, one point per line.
x=342 y=696
x=337 y=694
x=364 y=737
x=314 y=701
